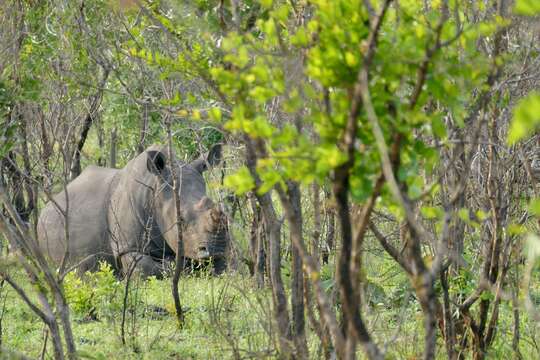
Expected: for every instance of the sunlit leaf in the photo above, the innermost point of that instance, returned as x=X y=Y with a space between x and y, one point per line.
x=527 y=7
x=526 y=118
x=240 y=182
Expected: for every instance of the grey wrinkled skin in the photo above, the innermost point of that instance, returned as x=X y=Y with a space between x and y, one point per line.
x=127 y=216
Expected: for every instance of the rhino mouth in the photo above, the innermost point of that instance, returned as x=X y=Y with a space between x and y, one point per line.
x=203 y=252
x=215 y=246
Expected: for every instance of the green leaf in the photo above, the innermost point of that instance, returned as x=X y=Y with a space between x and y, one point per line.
x=215 y=114
x=300 y=38
x=415 y=187
x=516 y=229
x=330 y=157
x=7 y=138
x=351 y=59
x=534 y=207
x=281 y=13
x=240 y=58
x=261 y=128
x=267 y=4
x=526 y=118
x=527 y=7
x=269 y=179
x=463 y=214
x=261 y=94
x=285 y=136
x=482 y=215
x=241 y=181
x=361 y=188
x=431 y=212
x=176 y=100
x=487 y=295
x=438 y=127
x=231 y=42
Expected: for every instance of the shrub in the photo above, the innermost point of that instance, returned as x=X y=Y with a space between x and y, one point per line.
x=94 y=294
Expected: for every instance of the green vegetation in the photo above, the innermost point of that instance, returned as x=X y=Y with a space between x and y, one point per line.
x=380 y=175
x=219 y=311
x=225 y=314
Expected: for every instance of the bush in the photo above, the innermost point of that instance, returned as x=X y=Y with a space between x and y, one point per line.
x=93 y=295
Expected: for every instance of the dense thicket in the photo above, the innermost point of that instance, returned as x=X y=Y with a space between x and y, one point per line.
x=382 y=157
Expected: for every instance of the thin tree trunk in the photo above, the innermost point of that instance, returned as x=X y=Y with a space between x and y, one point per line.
x=62 y=309
x=76 y=160
x=34 y=262
x=129 y=273
x=144 y=129
x=516 y=336
x=273 y=235
x=112 y=159
x=330 y=230
x=317 y=223
x=179 y=258
x=313 y=270
x=297 y=291
x=101 y=144
x=448 y=331
x=45 y=340
x=28 y=186
x=14 y=181
x=256 y=245
x=45 y=312
x=260 y=265
x=353 y=324
x=87 y=124
x=253 y=232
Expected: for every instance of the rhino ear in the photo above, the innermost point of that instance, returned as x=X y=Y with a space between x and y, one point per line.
x=211 y=158
x=214 y=155
x=155 y=162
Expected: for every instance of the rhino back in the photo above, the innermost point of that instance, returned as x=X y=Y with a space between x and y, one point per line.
x=129 y=211
x=88 y=197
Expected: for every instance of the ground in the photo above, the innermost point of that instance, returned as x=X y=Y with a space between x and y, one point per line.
x=226 y=317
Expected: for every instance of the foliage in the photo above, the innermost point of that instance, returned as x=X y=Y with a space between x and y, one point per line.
x=527 y=7
x=216 y=315
x=95 y=294
x=526 y=118
x=282 y=83
x=7 y=128
x=252 y=75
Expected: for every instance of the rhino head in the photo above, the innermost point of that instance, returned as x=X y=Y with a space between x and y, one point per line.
x=204 y=231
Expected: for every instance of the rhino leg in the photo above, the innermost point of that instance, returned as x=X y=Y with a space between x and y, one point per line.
x=145 y=265
x=219 y=265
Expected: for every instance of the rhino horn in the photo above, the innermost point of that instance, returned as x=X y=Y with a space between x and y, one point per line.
x=216 y=215
x=203 y=204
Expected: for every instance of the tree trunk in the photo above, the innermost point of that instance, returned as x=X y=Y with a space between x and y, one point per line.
x=14 y=181
x=297 y=285
x=330 y=235
x=101 y=144
x=95 y=101
x=179 y=258
x=317 y=223
x=353 y=324
x=257 y=254
x=272 y=227
x=144 y=129
x=76 y=160
x=112 y=159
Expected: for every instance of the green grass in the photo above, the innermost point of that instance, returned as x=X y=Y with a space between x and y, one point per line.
x=226 y=317
x=218 y=310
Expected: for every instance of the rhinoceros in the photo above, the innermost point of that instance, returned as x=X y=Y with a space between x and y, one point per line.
x=127 y=217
